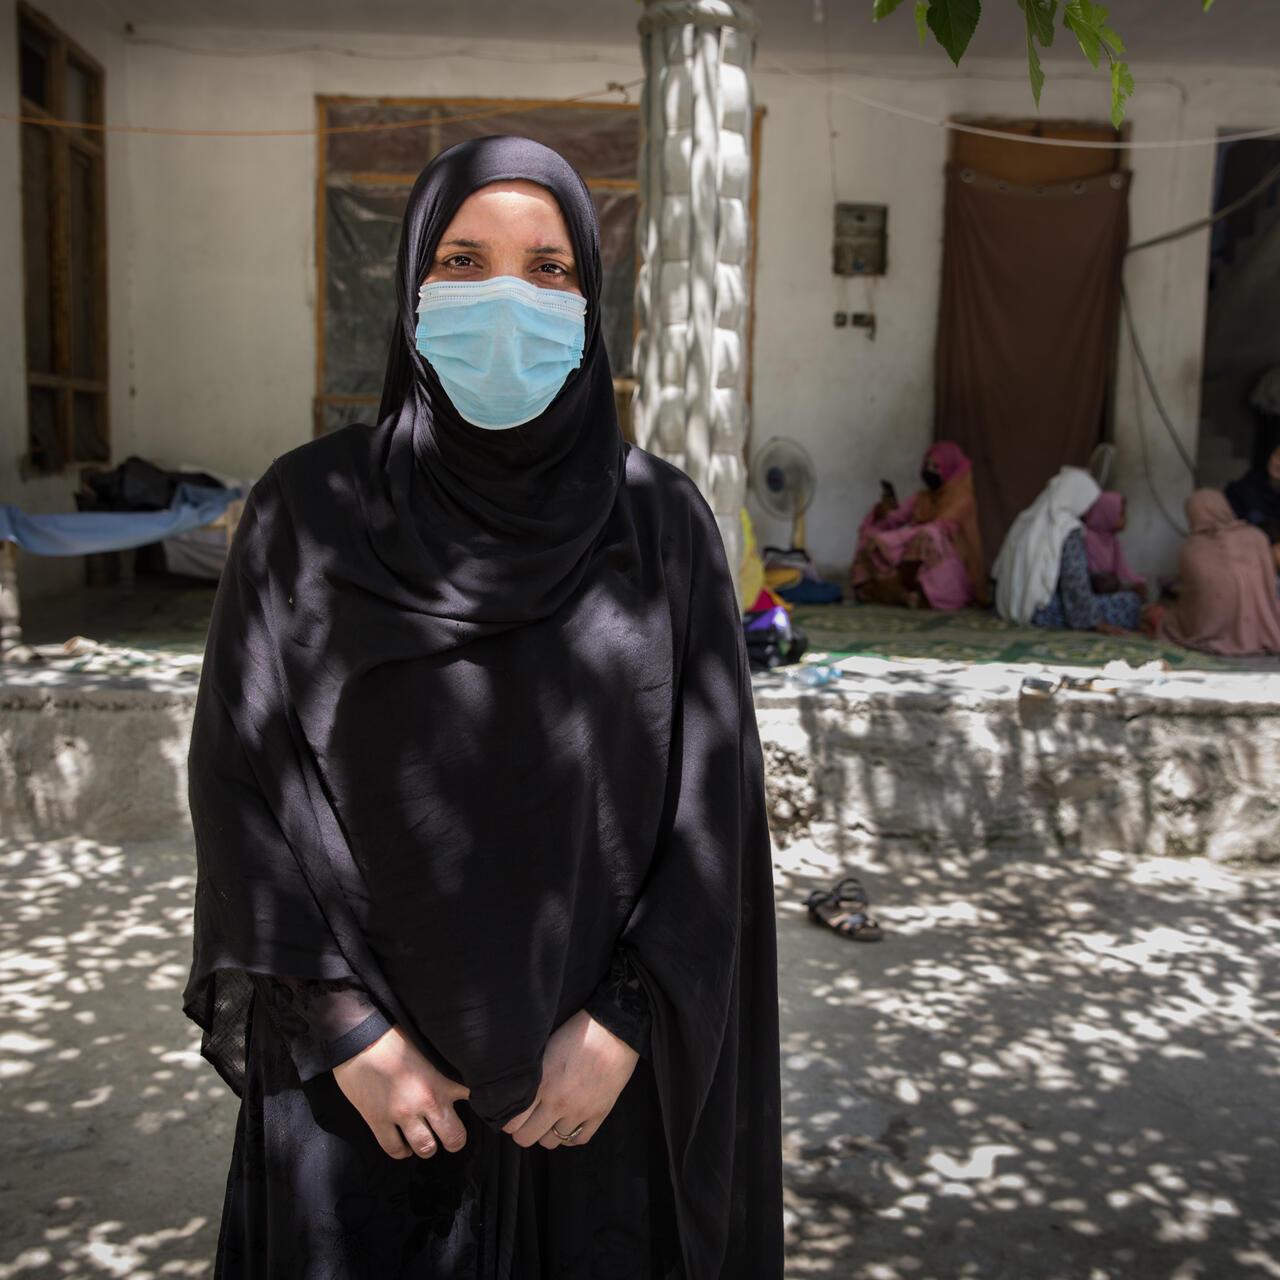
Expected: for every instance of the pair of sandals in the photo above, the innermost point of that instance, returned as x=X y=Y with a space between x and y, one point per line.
x=843 y=909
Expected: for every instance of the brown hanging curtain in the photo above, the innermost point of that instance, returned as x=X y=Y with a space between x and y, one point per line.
x=1026 y=330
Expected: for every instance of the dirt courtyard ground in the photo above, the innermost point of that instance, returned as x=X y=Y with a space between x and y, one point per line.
x=1053 y=1068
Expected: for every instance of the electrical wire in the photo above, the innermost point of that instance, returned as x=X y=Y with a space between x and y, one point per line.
x=435 y=53
x=1200 y=223
x=1160 y=409
x=1177 y=233
x=981 y=131
x=823 y=83
x=381 y=126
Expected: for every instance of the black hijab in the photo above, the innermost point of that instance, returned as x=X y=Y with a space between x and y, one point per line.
x=528 y=502
x=474 y=716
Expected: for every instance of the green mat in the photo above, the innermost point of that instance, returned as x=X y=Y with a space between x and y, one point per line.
x=972 y=635
x=166 y=619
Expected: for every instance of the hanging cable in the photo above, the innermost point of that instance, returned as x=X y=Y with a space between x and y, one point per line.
x=1178 y=233
x=982 y=131
x=905 y=113
x=514 y=108
x=1200 y=223
x=1142 y=430
x=1151 y=383
x=1164 y=417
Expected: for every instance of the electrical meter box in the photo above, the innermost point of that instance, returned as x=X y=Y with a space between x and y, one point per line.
x=861 y=241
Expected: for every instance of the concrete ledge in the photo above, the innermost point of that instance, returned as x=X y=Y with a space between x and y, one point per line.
x=1163 y=763
x=921 y=753
x=107 y=762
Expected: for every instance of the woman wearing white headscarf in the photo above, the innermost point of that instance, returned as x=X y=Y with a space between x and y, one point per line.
x=1042 y=571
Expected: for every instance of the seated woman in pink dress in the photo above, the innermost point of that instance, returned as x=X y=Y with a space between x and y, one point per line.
x=1226 y=584
x=927 y=551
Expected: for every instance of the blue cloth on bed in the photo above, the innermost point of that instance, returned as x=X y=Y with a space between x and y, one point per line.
x=75 y=533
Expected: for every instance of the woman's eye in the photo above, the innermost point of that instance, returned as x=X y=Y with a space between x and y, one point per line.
x=552 y=269
x=457 y=261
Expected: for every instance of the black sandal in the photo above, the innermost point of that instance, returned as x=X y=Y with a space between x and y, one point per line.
x=840 y=909
x=850 y=891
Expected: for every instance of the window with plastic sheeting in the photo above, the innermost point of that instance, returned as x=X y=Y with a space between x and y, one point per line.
x=64 y=247
x=371 y=152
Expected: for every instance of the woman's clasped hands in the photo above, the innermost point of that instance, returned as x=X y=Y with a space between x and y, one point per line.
x=408 y=1104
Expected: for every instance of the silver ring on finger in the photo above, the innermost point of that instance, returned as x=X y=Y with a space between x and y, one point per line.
x=571 y=1135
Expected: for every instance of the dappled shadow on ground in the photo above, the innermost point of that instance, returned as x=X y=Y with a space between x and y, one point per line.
x=1053 y=1067
x=115 y=1134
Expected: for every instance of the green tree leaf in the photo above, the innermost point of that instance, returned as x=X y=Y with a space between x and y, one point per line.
x=1034 y=70
x=1090 y=41
x=1040 y=16
x=952 y=23
x=922 y=19
x=1089 y=22
x=1121 y=91
x=883 y=8
x=1040 y=29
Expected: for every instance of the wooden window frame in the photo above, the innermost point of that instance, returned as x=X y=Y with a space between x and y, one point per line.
x=63 y=143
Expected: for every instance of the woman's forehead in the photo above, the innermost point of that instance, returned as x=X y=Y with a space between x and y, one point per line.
x=511 y=202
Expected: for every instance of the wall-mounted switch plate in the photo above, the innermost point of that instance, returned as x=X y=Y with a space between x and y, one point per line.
x=860 y=246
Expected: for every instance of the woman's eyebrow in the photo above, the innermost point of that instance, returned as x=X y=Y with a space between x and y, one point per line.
x=465 y=244
x=550 y=248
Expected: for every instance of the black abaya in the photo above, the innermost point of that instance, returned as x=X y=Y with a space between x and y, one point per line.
x=312 y=1194
x=474 y=718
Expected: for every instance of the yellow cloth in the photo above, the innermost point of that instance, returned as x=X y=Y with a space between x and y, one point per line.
x=751 y=571
x=780 y=579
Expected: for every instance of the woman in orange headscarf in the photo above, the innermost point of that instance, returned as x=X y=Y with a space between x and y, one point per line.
x=926 y=551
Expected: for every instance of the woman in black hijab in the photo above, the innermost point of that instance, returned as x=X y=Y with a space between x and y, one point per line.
x=1255 y=496
x=484 y=928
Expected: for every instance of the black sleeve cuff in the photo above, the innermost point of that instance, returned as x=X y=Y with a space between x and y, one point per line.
x=621 y=1006
x=324 y=1022
x=345 y=1047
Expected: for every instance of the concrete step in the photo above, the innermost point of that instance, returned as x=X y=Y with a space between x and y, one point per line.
x=894 y=754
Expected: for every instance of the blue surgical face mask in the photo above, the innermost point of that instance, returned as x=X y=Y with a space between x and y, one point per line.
x=502 y=348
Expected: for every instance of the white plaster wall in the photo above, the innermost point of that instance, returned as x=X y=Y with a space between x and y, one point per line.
x=865 y=408
x=212 y=245
x=85 y=25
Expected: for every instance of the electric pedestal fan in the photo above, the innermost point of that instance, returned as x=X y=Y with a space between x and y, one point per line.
x=783 y=478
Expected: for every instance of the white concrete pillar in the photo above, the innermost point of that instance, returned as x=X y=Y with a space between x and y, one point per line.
x=694 y=244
